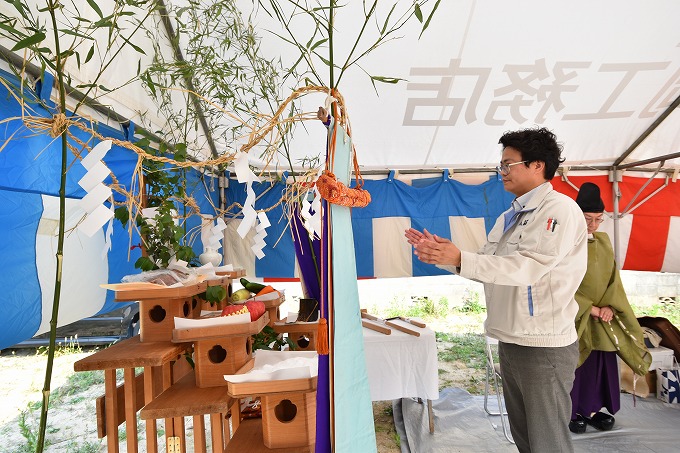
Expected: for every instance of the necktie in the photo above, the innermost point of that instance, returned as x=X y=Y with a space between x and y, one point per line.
x=509 y=218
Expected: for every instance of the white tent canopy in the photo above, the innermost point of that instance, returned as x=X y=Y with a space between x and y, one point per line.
x=600 y=75
x=604 y=76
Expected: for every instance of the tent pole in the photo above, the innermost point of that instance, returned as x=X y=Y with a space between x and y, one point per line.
x=174 y=40
x=614 y=176
x=653 y=160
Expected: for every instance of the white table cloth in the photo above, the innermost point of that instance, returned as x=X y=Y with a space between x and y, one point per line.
x=400 y=365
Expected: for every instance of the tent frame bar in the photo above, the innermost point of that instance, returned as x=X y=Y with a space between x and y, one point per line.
x=653 y=160
x=646 y=133
x=35 y=72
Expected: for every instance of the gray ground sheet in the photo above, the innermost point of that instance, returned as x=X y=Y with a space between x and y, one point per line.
x=462 y=425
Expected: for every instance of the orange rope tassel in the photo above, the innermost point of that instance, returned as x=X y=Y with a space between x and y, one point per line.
x=322 y=337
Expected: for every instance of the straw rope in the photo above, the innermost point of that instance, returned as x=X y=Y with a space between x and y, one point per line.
x=271 y=127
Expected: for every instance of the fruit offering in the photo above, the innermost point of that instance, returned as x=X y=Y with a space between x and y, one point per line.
x=256 y=309
x=240 y=295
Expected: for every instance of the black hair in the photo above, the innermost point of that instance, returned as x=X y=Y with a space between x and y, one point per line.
x=537 y=144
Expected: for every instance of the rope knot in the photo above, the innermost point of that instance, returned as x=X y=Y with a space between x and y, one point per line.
x=59 y=125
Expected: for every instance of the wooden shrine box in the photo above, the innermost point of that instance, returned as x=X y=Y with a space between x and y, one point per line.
x=288 y=410
x=272 y=307
x=159 y=305
x=220 y=350
x=302 y=333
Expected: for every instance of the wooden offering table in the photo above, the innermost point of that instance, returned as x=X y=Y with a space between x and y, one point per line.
x=288 y=416
x=162 y=360
x=272 y=307
x=249 y=438
x=163 y=363
x=221 y=349
x=186 y=399
x=159 y=305
x=236 y=273
x=302 y=333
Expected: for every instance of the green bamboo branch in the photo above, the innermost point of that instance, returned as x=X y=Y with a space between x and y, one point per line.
x=60 y=242
x=113 y=57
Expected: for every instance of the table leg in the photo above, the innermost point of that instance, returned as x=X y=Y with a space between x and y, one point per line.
x=130 y=390
x=111 y=398
x=179 y=368
x=430 y=415
x=199 y=434
x=178 y=423
x=235 y=412
x=151 y=431
x=166 y=370
x=217 y=433
x=226 y=430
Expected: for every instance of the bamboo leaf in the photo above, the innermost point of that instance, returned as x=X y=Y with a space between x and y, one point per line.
x=11 y=30
x=418 y=13
x=137 y=48
x=429 y=18
x=95 y=7
x=68 y=31
x=387 y=19
x=90 y=53
x=318 y=43
x=29 y=41
x=390 y=80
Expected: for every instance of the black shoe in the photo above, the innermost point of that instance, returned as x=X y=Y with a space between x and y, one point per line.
x=601 y=421
x=578 y=426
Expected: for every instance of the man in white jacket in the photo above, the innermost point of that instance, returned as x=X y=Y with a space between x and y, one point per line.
x=531 y=266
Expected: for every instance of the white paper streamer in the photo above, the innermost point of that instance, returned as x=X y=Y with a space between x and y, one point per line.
x=97 y=214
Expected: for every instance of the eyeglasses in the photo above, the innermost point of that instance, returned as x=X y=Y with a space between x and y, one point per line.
x=505 y=168
x=594 y=219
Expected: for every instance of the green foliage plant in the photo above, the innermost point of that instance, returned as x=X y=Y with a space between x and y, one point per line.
x=471 y=303
x=669 y=309
x=270 y=340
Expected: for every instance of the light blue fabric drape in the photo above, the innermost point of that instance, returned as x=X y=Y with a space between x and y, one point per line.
x=353 y=412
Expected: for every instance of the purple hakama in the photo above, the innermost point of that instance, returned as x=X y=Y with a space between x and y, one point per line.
x=596 y=385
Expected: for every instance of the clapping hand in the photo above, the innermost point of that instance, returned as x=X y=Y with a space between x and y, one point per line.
x=432 y=249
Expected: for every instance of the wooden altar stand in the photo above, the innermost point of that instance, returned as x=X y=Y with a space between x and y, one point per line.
x=163 y=363
x=303 y=334
x=185 y=399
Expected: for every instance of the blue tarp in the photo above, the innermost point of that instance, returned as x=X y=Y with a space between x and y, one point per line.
x=30 y=168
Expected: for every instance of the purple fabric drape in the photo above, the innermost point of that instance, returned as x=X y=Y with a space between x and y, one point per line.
x=308 y=255
x=596 y=385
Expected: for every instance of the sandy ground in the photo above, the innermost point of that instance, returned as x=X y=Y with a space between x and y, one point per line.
x=72 y=422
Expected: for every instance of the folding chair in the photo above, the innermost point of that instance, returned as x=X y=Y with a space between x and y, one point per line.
x=493 y=375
